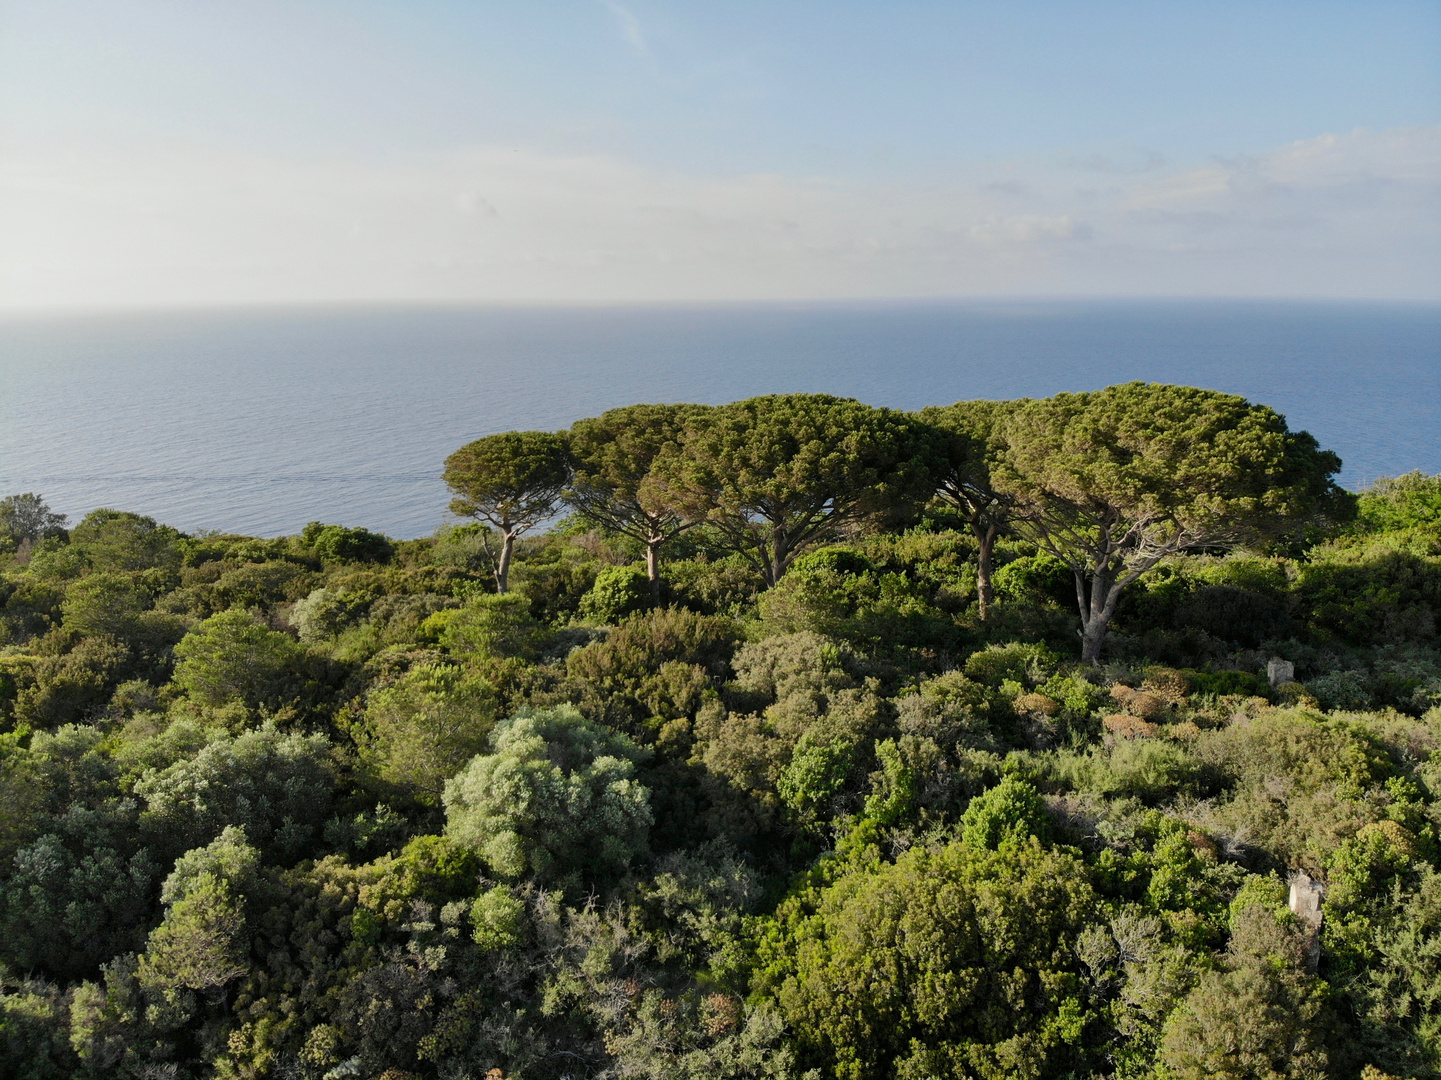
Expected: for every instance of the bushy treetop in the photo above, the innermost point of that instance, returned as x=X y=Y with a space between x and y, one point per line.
x=613 y=454
x=778 y=472
x=29 y=517
x=1197 y=465
x=556 y=798
x=515 y=476
x=1112 y=481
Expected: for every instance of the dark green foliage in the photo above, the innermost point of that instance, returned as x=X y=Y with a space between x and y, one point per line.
x=113 y=540
x=1036 y=579
x=1398 y=988
x=232 y=658
x=34 y=1032
x=78 y=895
x=957 y=960
x=31 y=607
x=617 y=592
x=330 y=805
x=726 y=586
x=656 y=665
x=1261 y=1015
x=844 y=595
x=554 y=577
x=1382 y=590
x=490 y=626
x=29 y=517
x=1241 y=683
x=336 y=543
x=65 y=685
x=1240 y=615
x=278 y=786
x=838 y=561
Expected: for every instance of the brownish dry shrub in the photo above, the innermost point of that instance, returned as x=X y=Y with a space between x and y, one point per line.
x=1170 y=685
x=1037 y=703
x=1126 y=726
x=1142 y=703
x=1185 y=731
x=1205 y=847
x=722 y=1014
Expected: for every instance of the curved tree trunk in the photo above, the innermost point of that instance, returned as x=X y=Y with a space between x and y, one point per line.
x=502 y=566
x=985 y=592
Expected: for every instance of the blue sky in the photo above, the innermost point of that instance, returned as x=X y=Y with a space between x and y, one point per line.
x=158 y=154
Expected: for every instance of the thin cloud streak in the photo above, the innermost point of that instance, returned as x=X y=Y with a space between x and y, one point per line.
x=629 y=27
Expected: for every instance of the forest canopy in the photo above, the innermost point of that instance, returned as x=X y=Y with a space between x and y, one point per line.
x=789 y=738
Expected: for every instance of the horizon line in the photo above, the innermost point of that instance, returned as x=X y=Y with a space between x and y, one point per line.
x=244 y=306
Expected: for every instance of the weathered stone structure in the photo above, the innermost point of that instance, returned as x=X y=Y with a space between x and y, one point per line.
x=1305 y=903
x=1280 y=671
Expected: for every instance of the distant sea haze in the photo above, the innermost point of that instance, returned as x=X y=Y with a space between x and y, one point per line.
x=258 y=421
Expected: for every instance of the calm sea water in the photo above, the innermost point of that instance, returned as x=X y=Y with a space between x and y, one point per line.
x=260 y=421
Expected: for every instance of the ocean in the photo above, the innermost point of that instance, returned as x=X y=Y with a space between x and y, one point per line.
x=258 y=421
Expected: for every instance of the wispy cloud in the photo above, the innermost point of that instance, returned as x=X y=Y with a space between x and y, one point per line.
x=629 y=27
x=1342 y=214
x=1024 y=229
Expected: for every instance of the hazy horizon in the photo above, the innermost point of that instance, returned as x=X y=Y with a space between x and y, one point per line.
x=258 y=421
x=858 y=303
x=158 y=155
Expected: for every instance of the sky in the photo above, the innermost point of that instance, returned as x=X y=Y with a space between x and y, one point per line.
x=162 y=154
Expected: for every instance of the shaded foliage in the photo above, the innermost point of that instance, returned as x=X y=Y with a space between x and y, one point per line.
x=333 y=805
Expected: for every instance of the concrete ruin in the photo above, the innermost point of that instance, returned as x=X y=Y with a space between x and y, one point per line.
x=1280 y=671
x=1305 y=903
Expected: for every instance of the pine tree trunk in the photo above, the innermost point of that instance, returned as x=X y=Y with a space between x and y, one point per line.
x=502 y=568
x=1096 y=615
x=985 y=593
x=652 y=571
x=1093 y=636
x=776 y=564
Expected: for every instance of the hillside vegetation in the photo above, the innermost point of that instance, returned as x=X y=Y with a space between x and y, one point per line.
x=790 y=739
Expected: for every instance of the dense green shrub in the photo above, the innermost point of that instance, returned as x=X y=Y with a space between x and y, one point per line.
x=925 y=967
x=1036 y=579
x=1018 y=663
x=1230 y=682
x=1400 y=502
x=1234 y=614
x=490 y=626
x=555 y=798
x=420 y=730
x=617 y=592
x=1381 y=589
x=335 y=543
x=279 y=787
x=656 y=665
x=230 y=657
x=261 y=815
x=114 y=540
